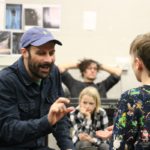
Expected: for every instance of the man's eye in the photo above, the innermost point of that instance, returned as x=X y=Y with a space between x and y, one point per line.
x=51 y=53
x=40 y=53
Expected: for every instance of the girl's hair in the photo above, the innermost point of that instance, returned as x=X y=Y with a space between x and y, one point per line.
x=92 y=92
x=140 y=47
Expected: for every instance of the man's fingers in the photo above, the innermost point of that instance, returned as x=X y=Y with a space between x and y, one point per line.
x=64 y=109
x=59 y=109
x=63 y=100
x=69 y=109
x=65 y=104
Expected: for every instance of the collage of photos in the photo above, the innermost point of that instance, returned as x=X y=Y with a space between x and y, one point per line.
x=19 y=17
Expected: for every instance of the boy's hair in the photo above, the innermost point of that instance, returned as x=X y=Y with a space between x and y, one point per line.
x=140 y=47
x=92 y=92
x=85 y=63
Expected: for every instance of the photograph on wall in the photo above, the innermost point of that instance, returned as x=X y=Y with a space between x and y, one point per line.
x=16 y=36
x=5 y=42
x=13 y=16
x=32 y=16
x=52 y=17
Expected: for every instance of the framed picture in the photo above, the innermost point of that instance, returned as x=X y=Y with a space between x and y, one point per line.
x=32 y=16
x=16 y=36
x=52 y=17
x=5 y=42
x=13 y=16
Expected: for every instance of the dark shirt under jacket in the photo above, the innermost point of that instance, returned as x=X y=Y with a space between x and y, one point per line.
x=23 y=110
x=75 y=86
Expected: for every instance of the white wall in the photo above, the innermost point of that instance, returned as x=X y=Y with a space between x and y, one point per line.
x=118 y=22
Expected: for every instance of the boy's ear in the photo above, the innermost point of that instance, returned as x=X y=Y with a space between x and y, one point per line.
x=139 y=63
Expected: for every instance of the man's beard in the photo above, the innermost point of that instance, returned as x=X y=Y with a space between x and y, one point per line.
x=34 y=68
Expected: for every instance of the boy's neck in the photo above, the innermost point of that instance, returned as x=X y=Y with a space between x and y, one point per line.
x=145 y=79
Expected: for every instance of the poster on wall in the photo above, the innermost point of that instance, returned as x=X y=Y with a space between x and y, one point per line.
x=5 y=42
x=52 y=17
x=13 y=16
x=16 y=36
x=32 y=16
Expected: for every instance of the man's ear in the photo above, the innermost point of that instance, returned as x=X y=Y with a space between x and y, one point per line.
x=24 y=52
x=139 y=64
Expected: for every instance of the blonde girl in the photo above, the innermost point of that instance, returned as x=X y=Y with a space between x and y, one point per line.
x=88 y=119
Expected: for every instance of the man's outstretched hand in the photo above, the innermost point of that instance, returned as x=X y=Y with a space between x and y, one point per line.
x=58 y=110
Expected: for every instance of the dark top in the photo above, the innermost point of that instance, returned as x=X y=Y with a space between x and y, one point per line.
x=75 y=86
x=24 y=106
x=132 y=123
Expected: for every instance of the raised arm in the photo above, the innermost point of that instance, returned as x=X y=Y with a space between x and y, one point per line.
x=111 y=70
x=64 y=67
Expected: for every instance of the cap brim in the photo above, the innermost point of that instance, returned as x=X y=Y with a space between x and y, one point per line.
x=44 y=40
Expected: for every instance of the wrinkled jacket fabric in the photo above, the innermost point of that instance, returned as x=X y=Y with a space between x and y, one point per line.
x=24 y=106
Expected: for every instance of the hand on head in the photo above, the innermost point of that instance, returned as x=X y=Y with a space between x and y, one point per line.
x=58 y=110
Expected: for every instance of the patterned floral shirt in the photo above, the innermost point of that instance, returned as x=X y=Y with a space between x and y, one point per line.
x=80 y=124
x=132 y=122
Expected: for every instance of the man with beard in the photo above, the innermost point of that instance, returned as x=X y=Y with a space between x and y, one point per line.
x=31 y=97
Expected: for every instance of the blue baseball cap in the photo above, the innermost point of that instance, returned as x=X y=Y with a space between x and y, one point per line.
x=37 y=36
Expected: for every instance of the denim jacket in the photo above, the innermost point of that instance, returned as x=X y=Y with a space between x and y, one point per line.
x=24 y=106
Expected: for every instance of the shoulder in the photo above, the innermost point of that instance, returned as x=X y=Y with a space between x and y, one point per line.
x=131 y=97
x=8 y=73
x=68 y=78
x=134 y=92
x=101 y=111
x=115 y=77
x=66 y=74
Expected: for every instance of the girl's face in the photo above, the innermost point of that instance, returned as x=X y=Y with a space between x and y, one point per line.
x=88 y=103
